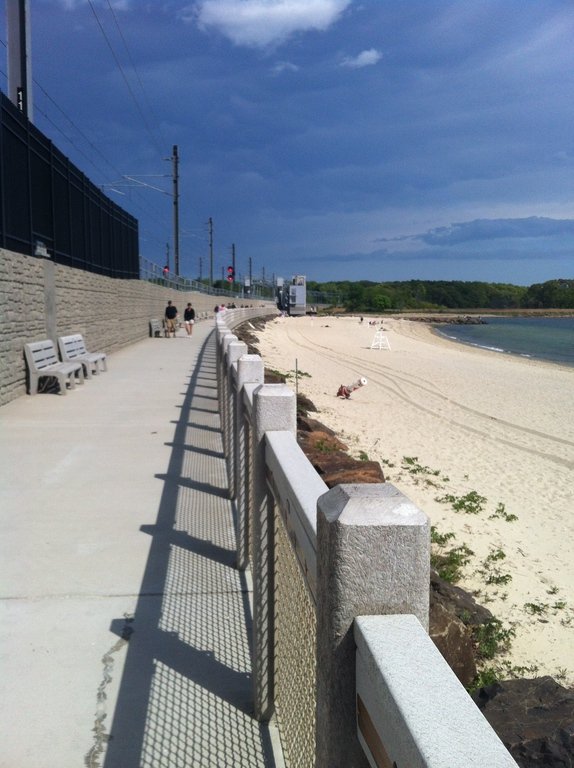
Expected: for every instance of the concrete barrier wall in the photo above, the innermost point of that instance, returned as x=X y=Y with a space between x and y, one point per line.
x=363 y=554
x=40 y=299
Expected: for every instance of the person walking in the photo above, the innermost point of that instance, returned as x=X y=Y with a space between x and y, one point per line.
x=189 y=318
x=170 y=318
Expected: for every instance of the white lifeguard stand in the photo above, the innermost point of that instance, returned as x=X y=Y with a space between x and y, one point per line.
x=380 y=341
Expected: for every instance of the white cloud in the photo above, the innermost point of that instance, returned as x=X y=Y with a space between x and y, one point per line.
x=284 y=66
x=364 y=59
x=263 y=23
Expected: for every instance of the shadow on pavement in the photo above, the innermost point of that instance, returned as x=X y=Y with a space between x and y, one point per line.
x=185 y=694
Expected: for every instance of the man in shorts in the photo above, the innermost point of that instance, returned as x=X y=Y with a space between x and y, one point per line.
x=170 y=318
x=189 y=319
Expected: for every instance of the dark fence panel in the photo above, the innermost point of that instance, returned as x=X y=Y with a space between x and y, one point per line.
x=45 y=198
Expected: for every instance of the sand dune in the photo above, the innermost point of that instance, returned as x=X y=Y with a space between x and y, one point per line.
x=486 y=424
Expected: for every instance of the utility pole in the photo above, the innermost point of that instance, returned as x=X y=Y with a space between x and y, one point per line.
x=175 y=166
x=250 y=274
x=200 y=269
x=167 y=255
x=210 y=222
x=19 y=57
x=233 y=264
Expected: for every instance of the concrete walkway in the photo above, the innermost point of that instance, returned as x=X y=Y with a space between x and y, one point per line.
x=124 y=626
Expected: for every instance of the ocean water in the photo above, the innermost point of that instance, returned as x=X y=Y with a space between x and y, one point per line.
x=540 y=338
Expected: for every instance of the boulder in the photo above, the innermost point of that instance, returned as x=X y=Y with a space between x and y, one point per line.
x=533 y=718
x=320 y=444
x=454 y=640
x=453 y=616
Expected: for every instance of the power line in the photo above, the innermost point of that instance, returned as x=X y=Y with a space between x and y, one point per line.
x=139 y=201
x=136 y=73
x=128 y=86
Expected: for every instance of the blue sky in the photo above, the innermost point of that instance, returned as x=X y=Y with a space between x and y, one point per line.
x=341 y=139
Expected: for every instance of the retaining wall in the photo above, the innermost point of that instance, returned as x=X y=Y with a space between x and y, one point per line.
x=40 y=299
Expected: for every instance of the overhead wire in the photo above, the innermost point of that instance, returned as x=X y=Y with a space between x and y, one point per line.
x=126 y=81
x=141 y=202
x=135 y=71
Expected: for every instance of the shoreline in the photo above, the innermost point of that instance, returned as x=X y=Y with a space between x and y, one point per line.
x=469 y=421
x=516 y=355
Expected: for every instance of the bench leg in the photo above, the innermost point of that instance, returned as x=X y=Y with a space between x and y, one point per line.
x=62 y=382
x=34 y=383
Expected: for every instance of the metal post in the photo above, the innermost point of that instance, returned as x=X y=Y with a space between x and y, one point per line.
x=210 y=222
x=19 y=58
x=175 y=161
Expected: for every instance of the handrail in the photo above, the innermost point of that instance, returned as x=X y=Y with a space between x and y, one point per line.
x=411 y=708
x=296 y=487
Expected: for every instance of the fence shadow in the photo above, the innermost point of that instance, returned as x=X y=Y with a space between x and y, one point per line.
x=185 y=694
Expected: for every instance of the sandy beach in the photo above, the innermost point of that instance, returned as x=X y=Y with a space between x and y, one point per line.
x=446 y=421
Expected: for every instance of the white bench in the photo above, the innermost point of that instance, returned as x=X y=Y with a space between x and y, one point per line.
x=73 y=350
x=43 y=361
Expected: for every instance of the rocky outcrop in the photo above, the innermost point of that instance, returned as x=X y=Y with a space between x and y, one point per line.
x=453 y=618
x=448 y=319
x=533 y=718
x=329 y=456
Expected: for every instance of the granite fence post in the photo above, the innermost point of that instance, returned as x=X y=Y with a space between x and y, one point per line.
x=226 y=340
x=250 y=370
x=274 y=409
x=373 y=557
x=234 y=351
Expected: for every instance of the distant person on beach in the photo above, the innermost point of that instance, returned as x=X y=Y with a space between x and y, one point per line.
x=189 y=318
x=170 y=318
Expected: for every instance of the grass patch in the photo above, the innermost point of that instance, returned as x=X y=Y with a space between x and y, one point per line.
x=472 y=503
x=448 y=563
x=421 y=472
x=492 y=638
x=500 y=512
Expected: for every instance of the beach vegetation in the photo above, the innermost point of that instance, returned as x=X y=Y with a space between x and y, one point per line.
x=492 y=638
x=472 y=503
x=536 y=609
x=325 y=446
x=420 y=472
x=500 y=512
x=541 y=609
x=490 y=570
x=448 y=563
x=503 y=670
x=561 y=674
x=363 y=456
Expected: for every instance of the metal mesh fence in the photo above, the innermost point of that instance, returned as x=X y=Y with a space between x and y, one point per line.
x=295 y=663
x=48 y=207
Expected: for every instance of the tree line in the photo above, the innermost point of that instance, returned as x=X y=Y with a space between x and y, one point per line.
x=367 y=296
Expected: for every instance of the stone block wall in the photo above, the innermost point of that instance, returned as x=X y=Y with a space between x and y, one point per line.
x=40 y=299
